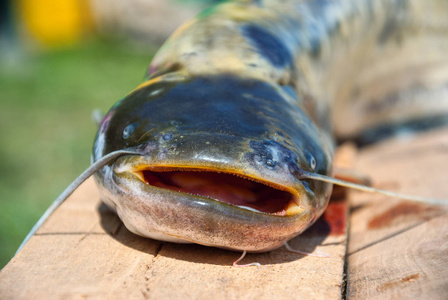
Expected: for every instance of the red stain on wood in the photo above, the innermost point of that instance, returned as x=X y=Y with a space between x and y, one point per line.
x=336 y=216
x=408 y=210
x=395 y=283
x=333 y=221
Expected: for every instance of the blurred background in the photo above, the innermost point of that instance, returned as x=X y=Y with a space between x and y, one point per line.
x=59 y=61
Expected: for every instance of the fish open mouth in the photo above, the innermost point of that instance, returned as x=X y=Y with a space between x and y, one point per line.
x=245 y=193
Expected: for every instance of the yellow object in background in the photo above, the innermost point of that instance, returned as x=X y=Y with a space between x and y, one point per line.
x=55 y=23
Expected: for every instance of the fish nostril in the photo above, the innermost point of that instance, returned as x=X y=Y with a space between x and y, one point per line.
x=173 y=147
x=270 y=162
x=167 y=137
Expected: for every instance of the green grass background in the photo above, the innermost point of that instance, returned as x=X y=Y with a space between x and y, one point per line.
x=46 y=103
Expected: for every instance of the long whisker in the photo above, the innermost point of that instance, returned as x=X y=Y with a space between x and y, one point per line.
x=72 y=187
x=319 y=177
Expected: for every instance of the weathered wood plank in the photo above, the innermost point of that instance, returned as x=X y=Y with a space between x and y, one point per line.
x=73 y=255
x=84 y=251
x=398 y=249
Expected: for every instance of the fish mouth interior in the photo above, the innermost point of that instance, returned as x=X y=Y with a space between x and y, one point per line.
x=243 y=192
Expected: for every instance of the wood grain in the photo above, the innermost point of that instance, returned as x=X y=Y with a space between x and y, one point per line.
x=397 y=249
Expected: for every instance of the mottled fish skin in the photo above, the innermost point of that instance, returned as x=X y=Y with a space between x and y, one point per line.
x=370 y=62
x=258 y=89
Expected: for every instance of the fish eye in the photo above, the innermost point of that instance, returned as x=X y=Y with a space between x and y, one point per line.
x=128 y=130
x=311 y=161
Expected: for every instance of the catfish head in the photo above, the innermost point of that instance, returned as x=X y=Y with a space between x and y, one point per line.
x=214 y=161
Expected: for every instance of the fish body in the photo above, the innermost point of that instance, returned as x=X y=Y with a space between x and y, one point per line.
x=247 y=97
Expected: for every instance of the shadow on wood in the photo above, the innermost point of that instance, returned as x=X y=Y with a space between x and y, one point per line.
x=307 y=241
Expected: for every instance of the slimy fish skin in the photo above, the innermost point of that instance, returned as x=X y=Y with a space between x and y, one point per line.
x=249 y=95
x=229 y=141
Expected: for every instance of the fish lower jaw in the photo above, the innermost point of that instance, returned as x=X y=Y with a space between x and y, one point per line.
x=226 y=188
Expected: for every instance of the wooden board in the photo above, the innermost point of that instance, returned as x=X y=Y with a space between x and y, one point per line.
x=84 y=251
x=396 y=249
